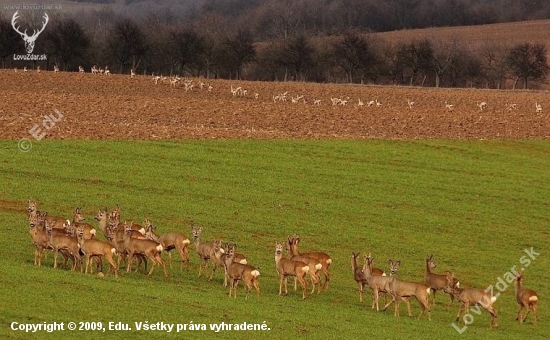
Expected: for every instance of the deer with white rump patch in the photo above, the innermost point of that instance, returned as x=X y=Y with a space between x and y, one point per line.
x=59 y=240
x=96 y=248
x=526 y=298
x=169 y=241
x=149 y=248
x=313 y=264
x=360 y=277
x=323 y=258
x=238 y=271
x=404 y=290
x=287 y=267
x=472 y=296
x=435 y=281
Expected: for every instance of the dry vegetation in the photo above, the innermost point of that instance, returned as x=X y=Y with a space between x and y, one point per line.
x=118 y=107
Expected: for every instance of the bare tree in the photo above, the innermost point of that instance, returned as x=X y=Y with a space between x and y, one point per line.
x=297 y=56
x=127 y=44
x=239 y=50
x=353 y=53
x=67 y=42
x=528 y=62
x=187 y=49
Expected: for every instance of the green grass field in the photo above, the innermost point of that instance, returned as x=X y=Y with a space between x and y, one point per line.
x=475 y=205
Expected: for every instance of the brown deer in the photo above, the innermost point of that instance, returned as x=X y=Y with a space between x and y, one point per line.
x=204 y=250
x=404 y=290
x=102 y=219
x=58 y=240
x=359 y=275
x=115 y=236
x=97 y=248
x=313 y=264
x=149 y=248
x=237 y=271
x=78 y=217
x=287 y=267
x=435 y=281
x=38 y=234
x=526 y=298
x=471 y=296
x=169 y=241
x=378 y=283
x=55 y=222
x=323 y=258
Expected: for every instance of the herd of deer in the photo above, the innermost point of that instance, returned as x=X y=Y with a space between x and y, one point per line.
x=380 y=283
x=77 y=239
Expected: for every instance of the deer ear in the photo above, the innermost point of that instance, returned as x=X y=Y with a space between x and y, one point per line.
x=398 y=263
x=390 y=262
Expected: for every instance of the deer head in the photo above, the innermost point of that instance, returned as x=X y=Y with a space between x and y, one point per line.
x=29 y=41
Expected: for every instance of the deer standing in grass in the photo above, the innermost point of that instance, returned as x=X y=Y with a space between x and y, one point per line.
x=55 y=222
x=359 y=275
x=323 y=258
x=59 y=240
x=204 y=250
x=149 y=248
x=237 y=271
x=378 y=283
x=313 y=264
x=78 y=217
x=435 y=281
x=219 y=255
x=403 y=290
x=471 y=296
x=526 y=298
x=169 y=241
x=96 y=248
x=40 y=239
x=287 y=267
x=116 y=234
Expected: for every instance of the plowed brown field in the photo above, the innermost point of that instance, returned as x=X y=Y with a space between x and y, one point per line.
x=118 y=107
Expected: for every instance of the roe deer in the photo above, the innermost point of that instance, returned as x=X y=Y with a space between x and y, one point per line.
x=360 y=277
x=38 y=234
x=471 y=296
x=238 y=271
x=58 y=239
x=403 y=290
x=204 y=250
x=435 y=281
x=94 y=247
x=169 y=241
x=526 y=298
x=287 y=267
x=149 y=248
x=78 y=217
x=55 y=222
x=323 y=258
x=313 y=264
x=378 y=283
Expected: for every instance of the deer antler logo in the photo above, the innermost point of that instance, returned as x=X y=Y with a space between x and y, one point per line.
x=29 y=41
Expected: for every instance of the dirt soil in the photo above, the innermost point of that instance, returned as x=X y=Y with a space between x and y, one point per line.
x=119 y=107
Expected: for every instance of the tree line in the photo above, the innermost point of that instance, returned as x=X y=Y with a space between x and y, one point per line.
x=208 y=50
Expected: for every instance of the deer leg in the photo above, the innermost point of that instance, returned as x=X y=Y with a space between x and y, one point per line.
x=518 y=316
x=408 y=305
